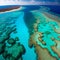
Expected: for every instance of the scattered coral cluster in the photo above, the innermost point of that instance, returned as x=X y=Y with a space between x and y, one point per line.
x=10 y=48
x=46 y=36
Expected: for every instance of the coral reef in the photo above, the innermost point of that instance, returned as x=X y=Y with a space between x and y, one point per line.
x=10 y=48
x=45 y=37
x=13 y=51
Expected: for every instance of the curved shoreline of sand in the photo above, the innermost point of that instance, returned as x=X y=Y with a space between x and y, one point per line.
x=20 y=8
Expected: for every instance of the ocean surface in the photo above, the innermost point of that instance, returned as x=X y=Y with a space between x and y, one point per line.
x=23 y=30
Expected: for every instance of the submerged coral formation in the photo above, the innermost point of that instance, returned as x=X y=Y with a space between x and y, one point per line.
x=13 y=51
x=44 y=30
x=10 y=48
x=46 y=36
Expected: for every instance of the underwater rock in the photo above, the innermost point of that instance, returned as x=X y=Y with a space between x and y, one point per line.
x=2 y=47
x=5 y=54
x=57 y=30
x=16 y=50
x=3 y=38
x=15 y=32
x=16 y=38
x=13 y=52
x=1 y=33
x=11 y=41
x=9 y=57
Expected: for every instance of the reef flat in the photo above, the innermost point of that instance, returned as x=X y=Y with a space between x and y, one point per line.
x=10 y=48
x=46 y=35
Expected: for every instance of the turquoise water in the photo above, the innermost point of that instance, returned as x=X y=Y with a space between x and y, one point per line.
x=47 y=28
x=22 y=31
x=23 y=34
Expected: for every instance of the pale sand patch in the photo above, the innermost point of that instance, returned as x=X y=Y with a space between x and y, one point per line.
x=57 y=30
x=42 y=53
x=56 y=48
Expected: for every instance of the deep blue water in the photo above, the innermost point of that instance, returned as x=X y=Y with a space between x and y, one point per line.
x=54 y=8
